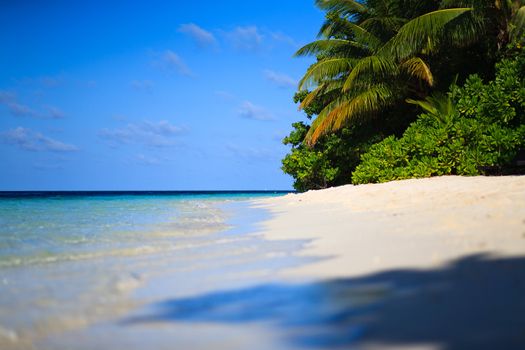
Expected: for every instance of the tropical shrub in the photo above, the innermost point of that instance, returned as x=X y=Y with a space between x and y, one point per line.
x=481 y=132
x=331 y=160
x=329 y=163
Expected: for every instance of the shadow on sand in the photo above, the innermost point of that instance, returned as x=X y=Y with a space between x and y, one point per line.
x=477 y=302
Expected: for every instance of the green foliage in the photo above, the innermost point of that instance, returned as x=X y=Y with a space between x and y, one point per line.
x=310 y=168
x=372 y=55
x=310 y=110
x=329 y=163
x=502 y=100
x=482 y=131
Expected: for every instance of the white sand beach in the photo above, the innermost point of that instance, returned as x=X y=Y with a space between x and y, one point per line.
x=427 y=264
x=420 y=223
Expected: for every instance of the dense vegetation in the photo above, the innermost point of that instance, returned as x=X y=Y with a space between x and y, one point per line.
x=381 y=63
x=475 y=129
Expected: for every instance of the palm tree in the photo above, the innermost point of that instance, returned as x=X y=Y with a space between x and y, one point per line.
x=503 y=20
x=372 y=54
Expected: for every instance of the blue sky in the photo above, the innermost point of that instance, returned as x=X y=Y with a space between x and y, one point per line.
x=160 y=95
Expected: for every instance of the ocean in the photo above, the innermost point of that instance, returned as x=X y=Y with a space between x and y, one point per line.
x=72 y=263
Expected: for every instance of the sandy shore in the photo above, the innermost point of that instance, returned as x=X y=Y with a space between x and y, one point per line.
x=433 y=264
x=423 y=223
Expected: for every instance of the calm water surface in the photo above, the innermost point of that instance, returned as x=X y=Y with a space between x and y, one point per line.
x=70 y=262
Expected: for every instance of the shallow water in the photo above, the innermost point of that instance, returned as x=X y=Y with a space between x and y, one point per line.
x=69 y=262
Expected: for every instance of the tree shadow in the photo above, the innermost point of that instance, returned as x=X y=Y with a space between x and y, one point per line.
x=476 y=302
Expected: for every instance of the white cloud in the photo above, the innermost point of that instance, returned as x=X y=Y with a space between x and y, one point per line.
x=248 y=110
x=169 y=60
x=154 y=134
x=20 y=110
x=245 y=38
x=17 y=109
x=279 y=79
x=55 y=113
x=30 y=140
x=202 y=37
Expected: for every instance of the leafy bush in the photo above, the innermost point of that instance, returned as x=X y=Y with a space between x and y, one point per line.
x=482 y=132
x=329 y=163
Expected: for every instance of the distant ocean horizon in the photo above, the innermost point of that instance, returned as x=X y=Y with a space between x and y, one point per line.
x=50 y=193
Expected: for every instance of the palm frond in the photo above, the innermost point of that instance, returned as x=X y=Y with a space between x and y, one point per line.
x=421 y=32
x=325 y=70
x=312 y=96
x=346 y=109
x=517 y=25
x=327 y=88
x=342 y=7
x=322 y=124
x=333 y=28
x=416 y=67
x=373 y=66
x=438 y=105
x=383 y=24
x=320 y=46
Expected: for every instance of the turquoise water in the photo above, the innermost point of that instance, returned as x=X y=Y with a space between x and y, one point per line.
x=48 y=227
x=69 y=262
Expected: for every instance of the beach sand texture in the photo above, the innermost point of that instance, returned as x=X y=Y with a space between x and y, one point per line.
x=420 y=223
x=434 y=263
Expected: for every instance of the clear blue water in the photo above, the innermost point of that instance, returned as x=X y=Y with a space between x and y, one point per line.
x=69 y=261
x=37 y=227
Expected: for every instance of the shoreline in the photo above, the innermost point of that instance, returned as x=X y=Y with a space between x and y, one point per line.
x=323 y=269
x=418 y=223
x=201 y=249
x=437 y=265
